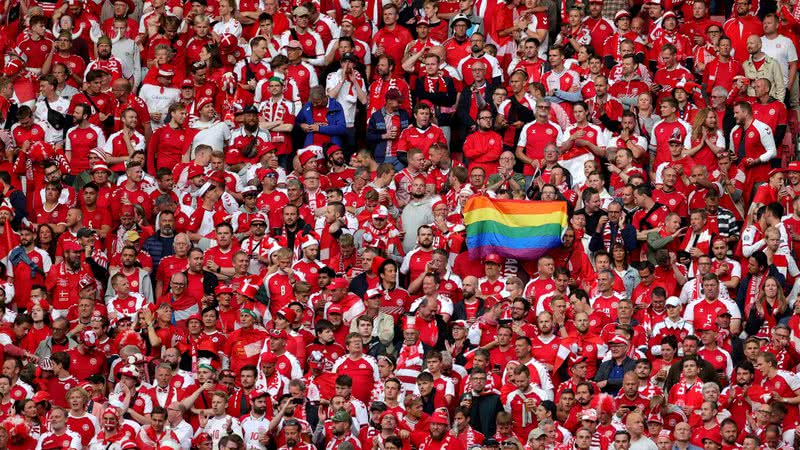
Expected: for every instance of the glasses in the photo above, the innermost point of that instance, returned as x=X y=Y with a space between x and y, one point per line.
x=714 y=31
x=174 y=283
x=485 y=118
x=258 y=224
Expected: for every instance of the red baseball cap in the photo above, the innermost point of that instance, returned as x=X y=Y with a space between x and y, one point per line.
x=338 y=283
x=440 y=417
x=255 y=394
x=493 y=258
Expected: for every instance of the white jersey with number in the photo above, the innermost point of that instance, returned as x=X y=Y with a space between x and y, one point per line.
x=252 y=428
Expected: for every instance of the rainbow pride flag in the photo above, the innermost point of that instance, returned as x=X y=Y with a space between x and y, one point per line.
x=520 y=229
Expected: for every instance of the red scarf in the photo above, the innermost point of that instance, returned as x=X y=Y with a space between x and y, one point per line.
x=408 y=354
x=435 y=84
x=753 y=290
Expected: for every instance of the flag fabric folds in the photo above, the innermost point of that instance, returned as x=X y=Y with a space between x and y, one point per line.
x=519 y=229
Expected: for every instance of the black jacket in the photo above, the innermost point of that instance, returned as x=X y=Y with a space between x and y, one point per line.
x=302 y=227
x=159 y=247
x=210 y=281
x=628 y=238
x=445 y=99
x=707 y=373
x=462 y=110
x=483 y=413
x=460 y=310
x=604 y=371
x=358 y=285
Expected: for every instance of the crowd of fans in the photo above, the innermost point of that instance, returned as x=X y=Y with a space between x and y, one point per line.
x=240 y=225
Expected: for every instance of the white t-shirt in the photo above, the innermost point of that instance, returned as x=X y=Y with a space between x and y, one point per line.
x=782 y=49
x=347 y=96
x=214 y=134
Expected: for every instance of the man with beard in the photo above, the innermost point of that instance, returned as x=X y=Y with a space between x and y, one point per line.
x=160 y=244
x=170 y=142
x=245 y=140
x=62 y=280
x=293 y=226
x=582 y=340
x=182 y=301
x=82 y=138
x=120 y=145
x=292 y=434
x=754 y=144
x=338 y=434
x=440 y=437
x=30 y=265
x=546 y=346
x=734 y=397
x=108 y=63
x=340 y=175
x=256 y=422
x=239 y=402
x=102 y=103
x=538 y=372
x=484 y=147
x=417 y=261
x=472 y=305
x=138 y=278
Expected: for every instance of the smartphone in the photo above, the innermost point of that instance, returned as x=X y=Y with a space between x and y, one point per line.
x=297 y=401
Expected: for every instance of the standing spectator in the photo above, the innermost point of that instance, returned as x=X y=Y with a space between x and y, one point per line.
x=322 y=119
x=348 y=88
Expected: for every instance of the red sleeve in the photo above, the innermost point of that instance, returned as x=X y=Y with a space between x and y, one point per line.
x=762 y=195
x=683 y=209
x=152 y=148
x=74 y=102
x=440 y=138
x=402 y=143
x=469 y=147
